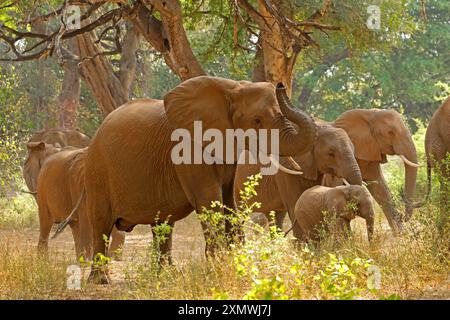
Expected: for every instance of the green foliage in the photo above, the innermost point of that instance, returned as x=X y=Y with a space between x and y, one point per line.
x=338 y=278
x=18 y=212
x=351 y=205
x=100 y=262
x=401 y=72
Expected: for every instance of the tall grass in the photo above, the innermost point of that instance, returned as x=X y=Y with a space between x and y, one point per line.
x=267 y=265
x=18 y=212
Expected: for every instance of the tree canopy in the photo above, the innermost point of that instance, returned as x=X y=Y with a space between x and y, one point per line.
x=325 y=51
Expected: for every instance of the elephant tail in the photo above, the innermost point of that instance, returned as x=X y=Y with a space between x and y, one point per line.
x=428 y=182
x=69 y=219
x=291 y=228
x=29 y=192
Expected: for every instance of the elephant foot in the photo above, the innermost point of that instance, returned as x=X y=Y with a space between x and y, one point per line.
x=98 y=277
x=42 y=251
x=166 y=260
x=116 y=256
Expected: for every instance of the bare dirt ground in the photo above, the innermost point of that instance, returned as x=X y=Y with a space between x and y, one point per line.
x=188 y=245
x=188 y=239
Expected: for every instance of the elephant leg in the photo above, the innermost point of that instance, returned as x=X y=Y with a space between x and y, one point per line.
x=444 y=199
x=203 y=200
x=163 y=246
x=115 y=247
x=299 y=236
x=100 y=217
x=381 y=194
x=75 y=228
x=45 y=226
x=344 y=227
x=85 y=233
x=200 y=194
x=279 y=219
x=234 y=230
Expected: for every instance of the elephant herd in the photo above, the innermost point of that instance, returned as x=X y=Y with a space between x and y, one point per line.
x=125 y=176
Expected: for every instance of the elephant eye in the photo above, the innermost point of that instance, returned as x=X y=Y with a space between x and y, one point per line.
x=331 y=154
x=257 y=120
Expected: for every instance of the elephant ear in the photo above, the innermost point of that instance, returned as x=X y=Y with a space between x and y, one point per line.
x=356 y=124
x=206 y=99
x=36 y=146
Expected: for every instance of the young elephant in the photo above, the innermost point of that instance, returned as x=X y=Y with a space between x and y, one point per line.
x=38 y=152
x=63 y=137
x=60 y=185
x=345 y=202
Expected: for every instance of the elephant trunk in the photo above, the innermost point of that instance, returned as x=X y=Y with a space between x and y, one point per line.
x=367 y=213
x=353 y=174
x=370 y=218
x=294 y=142
x=410 y=180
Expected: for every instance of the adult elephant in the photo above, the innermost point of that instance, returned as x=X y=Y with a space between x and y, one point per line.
x=58 y=138
x=130 y=177
x=332 y=153
x=437 y=149
x=63 y=137
x=376 y=133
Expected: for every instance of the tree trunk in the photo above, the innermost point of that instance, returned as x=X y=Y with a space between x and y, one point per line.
x=99 y=76
x=279 y=55
x=69 y=97
x=259 y=74
x=128 y=62
x=41 y=108
x=169 y=37
x=279 y=46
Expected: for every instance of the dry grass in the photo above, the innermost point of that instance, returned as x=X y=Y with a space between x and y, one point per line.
x=413 y=266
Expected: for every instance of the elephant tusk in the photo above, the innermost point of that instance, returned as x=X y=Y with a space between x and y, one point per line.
x=284 y=169
x=294 y=164
x=346 y=182
x=409 y=163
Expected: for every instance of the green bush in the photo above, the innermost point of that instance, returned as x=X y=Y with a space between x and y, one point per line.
x=18 y=212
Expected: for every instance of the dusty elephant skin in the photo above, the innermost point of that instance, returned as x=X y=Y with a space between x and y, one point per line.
x=130 y=178
x=61 y=136
x=59 y=186
x=437 y=148
x=343 y=202
x=55 y=139
x=61 y=182
x=333 y=153
x=38 y=152
x=376 y=133
x=59 y=192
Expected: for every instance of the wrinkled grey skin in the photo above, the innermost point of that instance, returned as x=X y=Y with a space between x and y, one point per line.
x=344 y=202
x=332 y=154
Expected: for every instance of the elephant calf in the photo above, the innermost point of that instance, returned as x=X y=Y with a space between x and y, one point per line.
x=344 y=202
x=59 y=175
